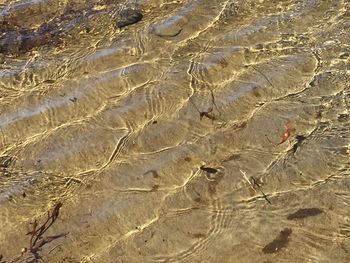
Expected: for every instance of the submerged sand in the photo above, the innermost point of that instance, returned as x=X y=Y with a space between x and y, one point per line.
x=161 y=138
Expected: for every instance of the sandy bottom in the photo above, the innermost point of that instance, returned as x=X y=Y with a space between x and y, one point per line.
x=192 y=131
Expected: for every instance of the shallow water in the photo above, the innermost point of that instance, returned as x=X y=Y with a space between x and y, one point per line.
x=123 y=125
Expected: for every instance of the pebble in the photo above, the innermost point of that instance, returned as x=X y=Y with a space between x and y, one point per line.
x=169 y=28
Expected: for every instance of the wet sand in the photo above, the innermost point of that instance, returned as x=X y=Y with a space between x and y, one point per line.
x=180 y=131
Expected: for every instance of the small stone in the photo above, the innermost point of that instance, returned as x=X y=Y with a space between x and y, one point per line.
x=6 y=161
x=170 y=28
x=74 y=99
x=344 y=55
x=209 y=170
x=128 y=17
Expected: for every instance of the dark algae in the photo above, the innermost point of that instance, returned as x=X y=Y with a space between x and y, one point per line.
x=38 y=237
x=299 y=139
x=305 y=212
x=279 y=242
x=128 y=17
x=16 y=39
x=208 y=114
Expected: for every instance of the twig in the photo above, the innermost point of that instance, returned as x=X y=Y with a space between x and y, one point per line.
x=252 y=185
x=35 y=224
x=213 y=101
x=263 y=75
x=208 y=114
x=246 y=178
x=255 y=183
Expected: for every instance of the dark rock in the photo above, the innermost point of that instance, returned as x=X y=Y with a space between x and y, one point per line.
x=6 y=161
x=305 y=212
x=74 y=99
x=129 y=17
x=344 y=55
x=300 y=139
x=18 y=41
x=343 y=117
x=10 y=42
x=209 y=170
x=279 y=242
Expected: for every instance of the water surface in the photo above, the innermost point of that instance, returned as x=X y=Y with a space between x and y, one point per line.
x=161 y=138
